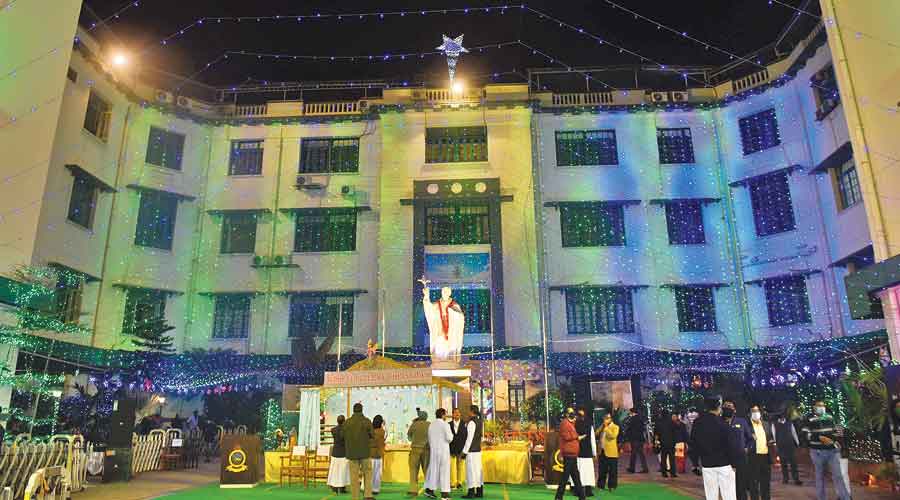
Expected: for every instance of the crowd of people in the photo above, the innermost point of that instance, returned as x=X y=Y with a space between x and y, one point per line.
x=441 y=449
x=734 y=455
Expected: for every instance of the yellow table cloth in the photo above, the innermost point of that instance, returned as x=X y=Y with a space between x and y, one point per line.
x=509 y=463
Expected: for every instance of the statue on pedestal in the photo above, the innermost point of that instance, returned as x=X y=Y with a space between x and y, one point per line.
x=446 y=323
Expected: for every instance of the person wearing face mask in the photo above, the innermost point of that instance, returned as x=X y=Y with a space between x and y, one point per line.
x=821 y=432
x=743 y=436
x=716 y=450
x=609 y=454
x=759 y=456
x=691 y=415
x=569 y=441
x=786 y=442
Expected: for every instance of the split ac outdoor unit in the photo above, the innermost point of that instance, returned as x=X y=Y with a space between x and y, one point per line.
x=659 y=97
x=348 y=190
x=164 y=97
x=679 y=97
x=183 y=102
x=311 y=182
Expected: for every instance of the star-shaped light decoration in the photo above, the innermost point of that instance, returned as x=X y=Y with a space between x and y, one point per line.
x=452 y=48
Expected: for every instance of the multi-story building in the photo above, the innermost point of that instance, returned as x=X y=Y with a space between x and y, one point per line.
x=712 y=218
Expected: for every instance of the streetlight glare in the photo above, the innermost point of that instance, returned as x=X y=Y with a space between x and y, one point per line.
x=120 y=59
x=457 y=87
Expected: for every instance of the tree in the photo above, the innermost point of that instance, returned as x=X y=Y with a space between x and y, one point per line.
x=151 y=335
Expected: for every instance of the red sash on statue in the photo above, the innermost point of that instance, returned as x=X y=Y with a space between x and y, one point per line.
x=445 y=317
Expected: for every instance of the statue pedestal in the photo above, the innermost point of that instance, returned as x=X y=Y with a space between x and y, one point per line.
x=459 y=376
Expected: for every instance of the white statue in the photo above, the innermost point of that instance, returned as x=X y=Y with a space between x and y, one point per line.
x=446 y=323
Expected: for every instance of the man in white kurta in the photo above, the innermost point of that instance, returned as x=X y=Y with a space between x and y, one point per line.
x=439 y=437
x=472 y=453
x=446 y=323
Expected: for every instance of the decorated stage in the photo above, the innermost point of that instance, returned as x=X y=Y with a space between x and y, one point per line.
x=507 y=463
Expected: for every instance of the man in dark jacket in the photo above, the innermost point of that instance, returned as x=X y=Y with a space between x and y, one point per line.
x=418 y=451
x=568 y=448
x=457 y=463
x=669 y=432
x=357 y=440
x=714 y=444
x=636 y=434
x=759 y=456
x=740 y=430
x=787 y=442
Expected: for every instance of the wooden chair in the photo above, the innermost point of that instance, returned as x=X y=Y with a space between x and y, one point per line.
x=170 y=458
x=295 y=465
x=319 y=464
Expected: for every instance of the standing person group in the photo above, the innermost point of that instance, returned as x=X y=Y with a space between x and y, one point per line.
x=669 y=432
x=441 y=449
x=356 y=455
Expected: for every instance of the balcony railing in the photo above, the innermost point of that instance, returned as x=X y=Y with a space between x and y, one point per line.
x=583 y=99
x=331 y=108
x=446 y=96
x=249 y=110
x=752 y=80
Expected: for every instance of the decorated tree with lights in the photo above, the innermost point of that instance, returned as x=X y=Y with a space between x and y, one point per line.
x=151 y=335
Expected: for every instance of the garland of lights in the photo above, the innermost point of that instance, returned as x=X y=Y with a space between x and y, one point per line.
x=272 y=418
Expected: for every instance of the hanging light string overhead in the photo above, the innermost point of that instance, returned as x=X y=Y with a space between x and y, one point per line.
x=115 y=15
x=363 y=57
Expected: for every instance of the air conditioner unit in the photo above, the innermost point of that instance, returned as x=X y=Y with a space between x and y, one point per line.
x=348 y=190
x=312 y=182
x=659 y=97
x=164 y=97
x=282 y=260
x=679 y=97
x=183 y=102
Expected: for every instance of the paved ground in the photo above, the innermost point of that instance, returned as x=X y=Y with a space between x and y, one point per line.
x=150 y=485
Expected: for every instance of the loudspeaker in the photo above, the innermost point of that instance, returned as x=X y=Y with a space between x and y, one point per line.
x=121 y=424
x=117 y=464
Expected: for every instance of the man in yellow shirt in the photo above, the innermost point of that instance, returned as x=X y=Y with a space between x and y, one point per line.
x=609 y=454
x=759 y=456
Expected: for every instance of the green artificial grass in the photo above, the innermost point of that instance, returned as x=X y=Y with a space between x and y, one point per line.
x=637 y=491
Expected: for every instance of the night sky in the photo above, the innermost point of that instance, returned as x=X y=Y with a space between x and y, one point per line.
x=738 y=26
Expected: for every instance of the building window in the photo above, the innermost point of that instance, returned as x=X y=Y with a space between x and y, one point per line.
x=83 y=201
x=516 y=397
x=599 y=310
x=231 y=317
x=476 y=306
x=69 y=293
x=156 y=220
x=770 y=196
x=325 y=230
x=330 y=155
x=759 y=131
x=586 y=147
x=317 y=316
x=592 y=223
x=97 y=117
x=165 y=148
x=456 y=144
x=675 y=145
x=825 y=89
x=246 y=158
x=696 y=309
x=684 y=219
x=142 y=306
x=457 y=225
x=787 y=301
x=238 y=233
x=848 y=185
